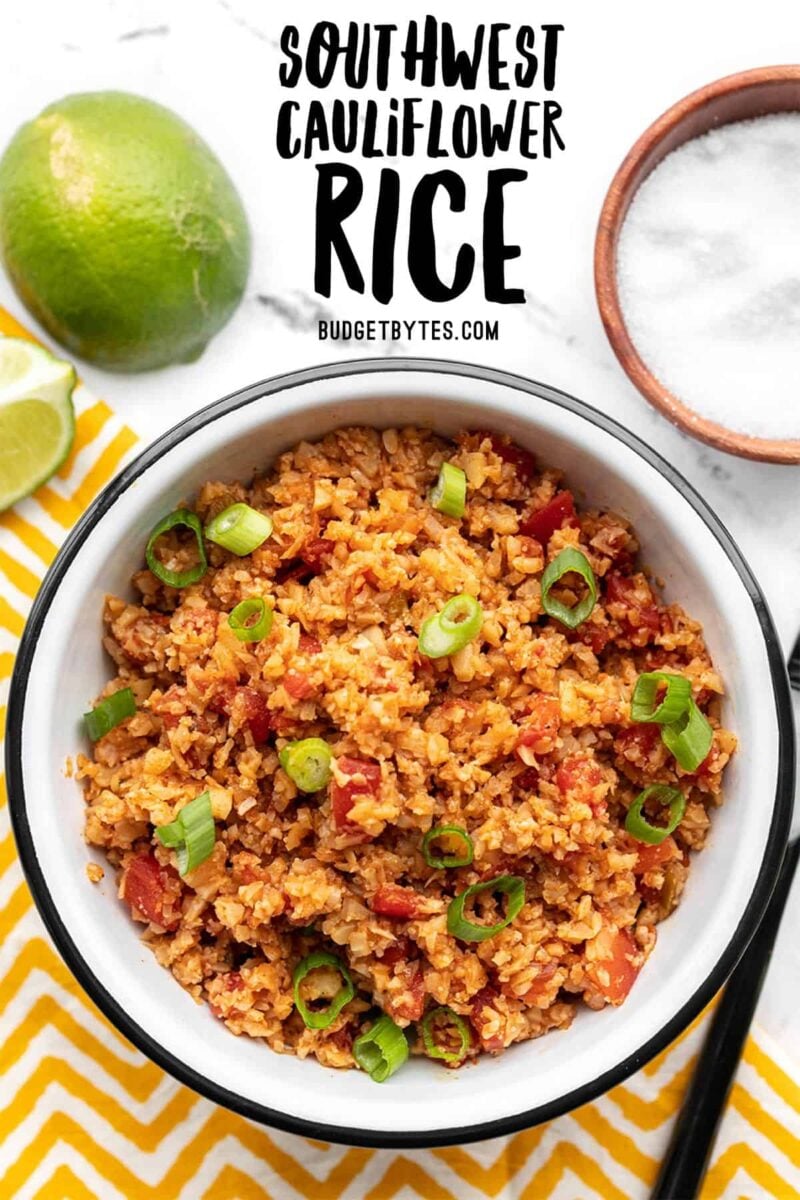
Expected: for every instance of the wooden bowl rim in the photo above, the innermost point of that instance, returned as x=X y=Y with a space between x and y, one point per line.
x=612 y=215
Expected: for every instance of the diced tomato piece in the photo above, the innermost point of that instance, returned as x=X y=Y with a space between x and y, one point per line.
x=361 y=766
x=256 y=713
x=316 y=552
x=401 y=949
x=610 y=968
x=144 y=889
x=540 y=731
x=656 y=658
x=248 y=704
x=308 y=644
x=311 y=559
x=578 y=775
x=629 y=590
x=528 y=781
x=650 y=857
x=540 y=985
x=412 y=1006
x=233 y=982
x=642 y=738
x=222 y=700
x=364 y=779
x=641 y=745
x=482 y=1021
x=523 y=460
x=631 y=601
x=298 y=685
x=543 y=522
x=394 y=901
x=594 y=634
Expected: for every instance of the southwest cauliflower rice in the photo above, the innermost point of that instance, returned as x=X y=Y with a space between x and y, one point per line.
x=311 y=901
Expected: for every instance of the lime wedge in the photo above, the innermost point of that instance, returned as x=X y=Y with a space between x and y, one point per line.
x=37 y=420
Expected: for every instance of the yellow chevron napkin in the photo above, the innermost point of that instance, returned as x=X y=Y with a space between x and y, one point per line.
x=83 y=1115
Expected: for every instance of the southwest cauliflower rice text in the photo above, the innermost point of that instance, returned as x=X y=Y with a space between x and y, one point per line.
x=299 y=895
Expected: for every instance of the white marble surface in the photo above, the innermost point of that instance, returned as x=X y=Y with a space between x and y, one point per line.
x=621 y=63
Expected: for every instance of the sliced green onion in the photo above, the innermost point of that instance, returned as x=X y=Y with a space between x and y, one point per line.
x=171 y=835
x=511 y=886
x=191 y=835
x=109 y=712
x=307 y=763
x=639 y=827
x=449 y=493
x=382 y=1050
x=242 y=623
x=239 y=528
x=321 y=1019
x=689 y=738
x=177 y=579
x=450 y=630
x=440 y=833
x=447 y=1020
x=645 y=703
x=568 y=560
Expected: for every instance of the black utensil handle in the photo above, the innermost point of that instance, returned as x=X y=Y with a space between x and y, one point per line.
x=696 y=1127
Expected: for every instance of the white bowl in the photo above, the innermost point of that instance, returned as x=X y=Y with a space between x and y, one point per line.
x=61 y=667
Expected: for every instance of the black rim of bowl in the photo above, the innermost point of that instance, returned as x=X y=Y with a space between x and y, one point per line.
x=391 y=1139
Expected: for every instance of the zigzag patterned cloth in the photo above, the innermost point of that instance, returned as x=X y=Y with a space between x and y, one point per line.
x=83 y=1115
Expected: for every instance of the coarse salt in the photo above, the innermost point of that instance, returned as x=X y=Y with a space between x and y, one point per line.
x=708 y=266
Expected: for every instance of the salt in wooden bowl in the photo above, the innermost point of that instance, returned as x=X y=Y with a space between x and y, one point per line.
x=738 y=97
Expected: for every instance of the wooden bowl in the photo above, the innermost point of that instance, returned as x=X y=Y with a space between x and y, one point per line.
x=734 y=98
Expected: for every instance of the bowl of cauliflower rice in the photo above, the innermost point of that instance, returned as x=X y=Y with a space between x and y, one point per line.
x=420 y=758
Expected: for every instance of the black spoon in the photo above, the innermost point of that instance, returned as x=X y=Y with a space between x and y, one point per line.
x=696 y=1128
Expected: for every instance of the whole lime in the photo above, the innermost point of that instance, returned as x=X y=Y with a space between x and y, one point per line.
x=121 y=231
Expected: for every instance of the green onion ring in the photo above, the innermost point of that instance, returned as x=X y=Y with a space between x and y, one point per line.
x=450 y=630
x=177 y=579
x=645 y=705
x=447 y=860
x=307 y=763
x=689 y=738
x=382 y=1050
x=449 y=493
x=511 y=886
x=640 y=828
x=239 y=528
x=321 y=1020
x=568 y=560
x=461 y=1027
x=109 y=712
x=191 y=835
x=246 y=629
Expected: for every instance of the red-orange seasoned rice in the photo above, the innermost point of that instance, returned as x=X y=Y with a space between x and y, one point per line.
x=522 y=738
